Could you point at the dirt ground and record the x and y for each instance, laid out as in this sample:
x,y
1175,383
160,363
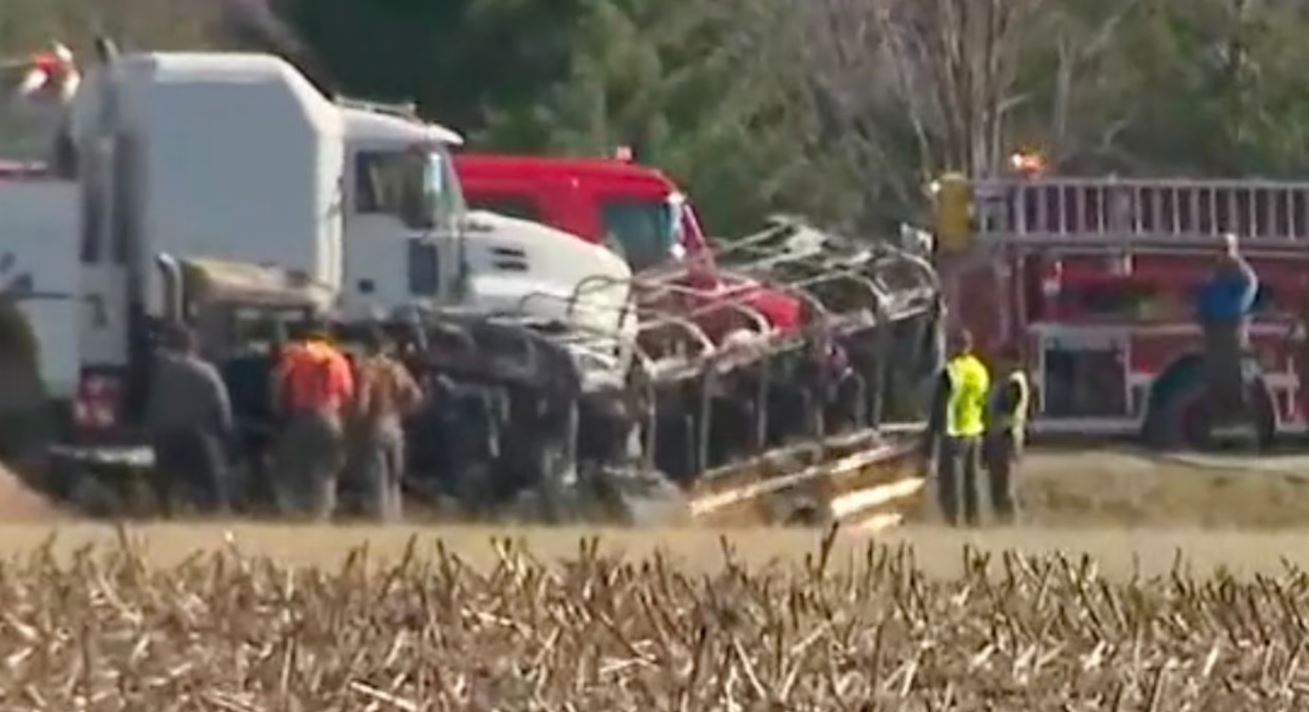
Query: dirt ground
x,y
1118,553
1129,510
20,504
1125,488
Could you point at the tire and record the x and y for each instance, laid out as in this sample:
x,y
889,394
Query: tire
x,y
1183,418
1180,419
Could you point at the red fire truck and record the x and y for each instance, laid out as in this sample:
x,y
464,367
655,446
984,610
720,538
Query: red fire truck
x,y
634,210
1097,280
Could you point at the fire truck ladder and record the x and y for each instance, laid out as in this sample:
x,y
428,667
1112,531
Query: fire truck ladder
x,y
1170,211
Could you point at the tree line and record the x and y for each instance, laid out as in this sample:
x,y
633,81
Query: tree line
x,y
840,109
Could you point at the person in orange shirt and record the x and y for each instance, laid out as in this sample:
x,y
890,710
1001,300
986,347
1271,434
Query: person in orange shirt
x,y
312,386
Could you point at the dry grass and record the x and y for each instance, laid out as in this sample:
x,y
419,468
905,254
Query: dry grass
x,y
1104,487
1182,614
849,624
1120,553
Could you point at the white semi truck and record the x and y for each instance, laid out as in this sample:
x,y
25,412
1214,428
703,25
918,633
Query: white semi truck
x,y
215,187
235,168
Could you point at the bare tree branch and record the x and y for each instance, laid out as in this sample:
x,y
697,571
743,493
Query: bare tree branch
x,y
948,66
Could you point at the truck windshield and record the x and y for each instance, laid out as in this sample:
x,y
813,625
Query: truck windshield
x,y
643,232
442,182
396,183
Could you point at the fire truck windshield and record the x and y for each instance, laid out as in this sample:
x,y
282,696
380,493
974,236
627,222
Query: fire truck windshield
x,y
645,233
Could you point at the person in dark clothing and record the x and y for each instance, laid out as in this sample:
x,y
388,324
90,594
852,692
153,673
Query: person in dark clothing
x,y
1224,311
189,418
1006,432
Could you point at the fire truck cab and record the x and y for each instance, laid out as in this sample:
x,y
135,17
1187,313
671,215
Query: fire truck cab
x,y
633,210
1097,280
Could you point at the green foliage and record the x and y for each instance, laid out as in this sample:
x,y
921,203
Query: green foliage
x,y
832,108
696,89
1204,87
458,59
29,25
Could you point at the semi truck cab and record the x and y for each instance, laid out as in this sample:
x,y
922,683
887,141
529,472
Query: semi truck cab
x,y
401,198
413,243
237,158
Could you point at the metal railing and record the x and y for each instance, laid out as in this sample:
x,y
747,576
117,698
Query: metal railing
x,y
1164,209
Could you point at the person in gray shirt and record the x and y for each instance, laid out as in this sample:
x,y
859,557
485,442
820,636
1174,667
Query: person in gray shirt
x,y
189,418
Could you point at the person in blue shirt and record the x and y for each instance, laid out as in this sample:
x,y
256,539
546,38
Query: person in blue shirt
x,y
1226,305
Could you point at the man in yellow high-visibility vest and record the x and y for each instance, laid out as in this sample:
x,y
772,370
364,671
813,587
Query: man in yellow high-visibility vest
x,y
957,425
1006,431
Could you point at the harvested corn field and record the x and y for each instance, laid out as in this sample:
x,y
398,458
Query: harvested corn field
x,y
850,624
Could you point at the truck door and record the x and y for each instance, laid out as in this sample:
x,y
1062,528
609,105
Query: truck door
x,y
391,257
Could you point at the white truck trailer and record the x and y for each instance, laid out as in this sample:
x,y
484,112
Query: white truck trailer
x,y
207,185
237,158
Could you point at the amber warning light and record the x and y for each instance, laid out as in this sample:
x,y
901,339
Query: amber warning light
x,y
1027,162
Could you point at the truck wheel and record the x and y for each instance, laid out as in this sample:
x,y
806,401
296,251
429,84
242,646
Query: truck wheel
x,y
1183,419
1180,419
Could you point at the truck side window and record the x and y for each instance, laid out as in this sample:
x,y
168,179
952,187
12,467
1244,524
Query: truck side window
x,y
93,208
92,212
126,160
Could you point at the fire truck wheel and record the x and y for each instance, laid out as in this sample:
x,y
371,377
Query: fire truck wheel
x,y
1180,419
1183,419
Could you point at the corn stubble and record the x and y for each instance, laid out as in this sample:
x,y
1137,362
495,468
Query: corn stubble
x,y
227,631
